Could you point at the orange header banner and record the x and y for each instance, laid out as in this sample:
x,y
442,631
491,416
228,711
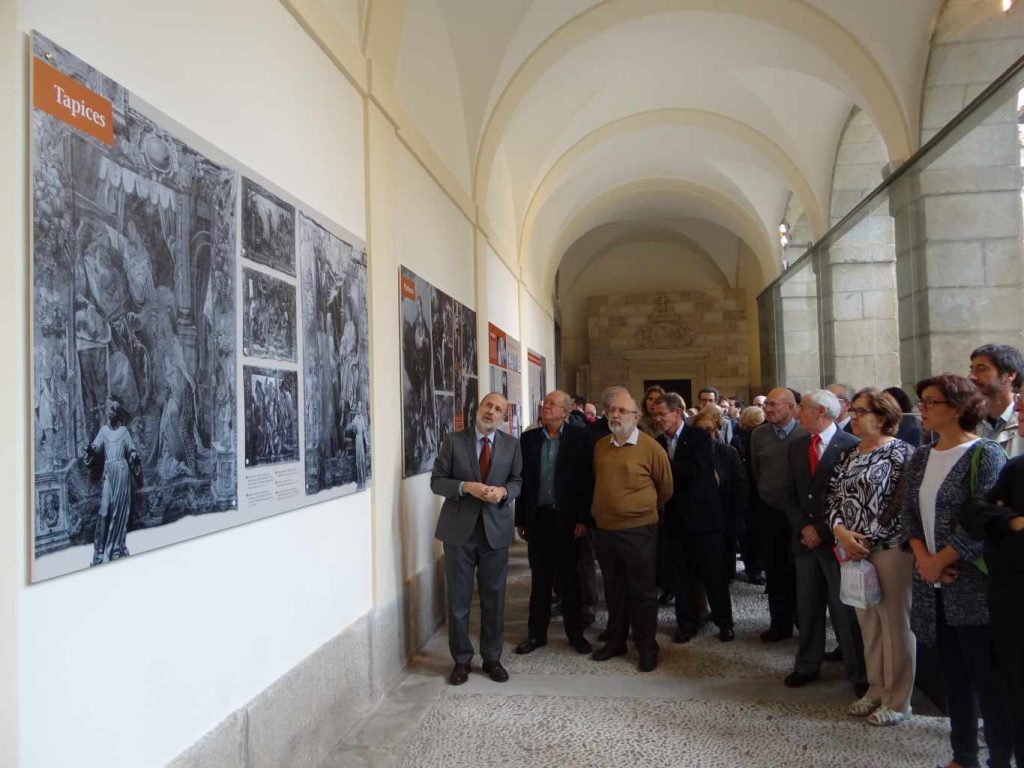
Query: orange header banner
x,y
68,100
408,288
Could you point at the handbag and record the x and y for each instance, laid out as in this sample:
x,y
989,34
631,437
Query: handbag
x,y
859,585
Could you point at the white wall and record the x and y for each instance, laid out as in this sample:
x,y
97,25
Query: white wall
x,y
434,240
502,296
128,664
12,387
538,335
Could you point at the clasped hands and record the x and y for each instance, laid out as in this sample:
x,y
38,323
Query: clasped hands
x,y
492,494
854,544
933,570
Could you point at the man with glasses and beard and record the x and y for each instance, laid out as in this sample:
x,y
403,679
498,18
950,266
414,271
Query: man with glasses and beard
x,y
633,479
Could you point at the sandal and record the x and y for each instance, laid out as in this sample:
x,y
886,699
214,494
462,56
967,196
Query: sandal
x,y
863,707
886,716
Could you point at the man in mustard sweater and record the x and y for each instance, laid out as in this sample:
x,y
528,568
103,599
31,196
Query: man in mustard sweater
x,y
632,479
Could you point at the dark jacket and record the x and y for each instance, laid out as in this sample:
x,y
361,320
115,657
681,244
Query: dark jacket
x,y
733,487
574,477
695,506
741,442
983,519
909,430
963,600
807,493
576,419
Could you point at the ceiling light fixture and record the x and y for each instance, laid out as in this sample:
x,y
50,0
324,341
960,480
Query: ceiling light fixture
x,y
1007,5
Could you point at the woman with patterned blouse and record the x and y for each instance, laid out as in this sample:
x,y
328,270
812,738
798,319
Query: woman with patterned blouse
x,y
863,507
950,608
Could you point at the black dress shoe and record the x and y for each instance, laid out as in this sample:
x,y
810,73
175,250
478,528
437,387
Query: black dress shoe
x,y
529,645
460,674
495,671
797,679
773,635
683,636
648,664
726,635
834,655
581,645
606,652
665,598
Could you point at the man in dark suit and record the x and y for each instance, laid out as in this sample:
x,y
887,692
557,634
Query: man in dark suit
x,y
477,471
811,460
553,514
693,521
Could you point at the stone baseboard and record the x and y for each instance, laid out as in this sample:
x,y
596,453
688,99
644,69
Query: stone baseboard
x,y
305,713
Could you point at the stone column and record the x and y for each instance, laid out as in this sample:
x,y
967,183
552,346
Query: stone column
x,y
959,226
798,357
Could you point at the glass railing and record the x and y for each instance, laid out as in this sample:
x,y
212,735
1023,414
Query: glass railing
x,y
924,269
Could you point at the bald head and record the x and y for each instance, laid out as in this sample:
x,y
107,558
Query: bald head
x,y
554,408
780,407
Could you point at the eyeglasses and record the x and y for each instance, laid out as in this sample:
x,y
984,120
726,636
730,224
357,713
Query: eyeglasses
x,y
927,402
861,411
613,410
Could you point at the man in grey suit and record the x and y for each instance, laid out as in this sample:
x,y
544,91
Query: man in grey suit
x,y
811,459
477,471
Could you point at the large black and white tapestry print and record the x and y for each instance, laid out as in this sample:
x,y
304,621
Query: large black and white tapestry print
x,y
268,329
439,370
335,361
133,331
271,416
268,228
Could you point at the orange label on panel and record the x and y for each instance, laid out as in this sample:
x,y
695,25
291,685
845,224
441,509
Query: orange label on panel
x,y
408,288
67,99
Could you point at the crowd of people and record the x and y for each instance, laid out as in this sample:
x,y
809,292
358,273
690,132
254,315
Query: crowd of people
x,y
804,489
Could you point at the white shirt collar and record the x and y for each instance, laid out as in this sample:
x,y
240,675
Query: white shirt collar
x,y
631,440
480,436
842,424
827,434
1008,413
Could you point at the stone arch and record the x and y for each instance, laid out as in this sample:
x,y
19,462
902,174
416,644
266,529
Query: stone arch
x,y
687,117
795,16
738,217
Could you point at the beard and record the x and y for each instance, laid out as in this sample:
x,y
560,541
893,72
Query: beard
x,y
622,430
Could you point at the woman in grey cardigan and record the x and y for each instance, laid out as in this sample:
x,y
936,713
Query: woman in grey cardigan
x,y
950,609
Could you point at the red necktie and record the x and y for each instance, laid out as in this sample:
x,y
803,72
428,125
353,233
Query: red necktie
x,y
485,459
812,456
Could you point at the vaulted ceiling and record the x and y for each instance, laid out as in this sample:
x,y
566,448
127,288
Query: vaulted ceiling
x,y
560,117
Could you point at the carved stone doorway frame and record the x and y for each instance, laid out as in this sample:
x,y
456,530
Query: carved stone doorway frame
x,y
690,363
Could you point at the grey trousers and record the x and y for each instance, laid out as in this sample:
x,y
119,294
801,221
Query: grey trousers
x,y
817,585
490,567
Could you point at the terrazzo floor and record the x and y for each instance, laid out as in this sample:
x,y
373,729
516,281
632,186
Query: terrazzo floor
x,y
708,704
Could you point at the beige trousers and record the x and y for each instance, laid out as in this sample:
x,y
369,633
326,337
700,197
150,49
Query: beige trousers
x,y
890,650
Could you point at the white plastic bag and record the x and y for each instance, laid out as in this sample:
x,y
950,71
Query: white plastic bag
x,y
859,585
